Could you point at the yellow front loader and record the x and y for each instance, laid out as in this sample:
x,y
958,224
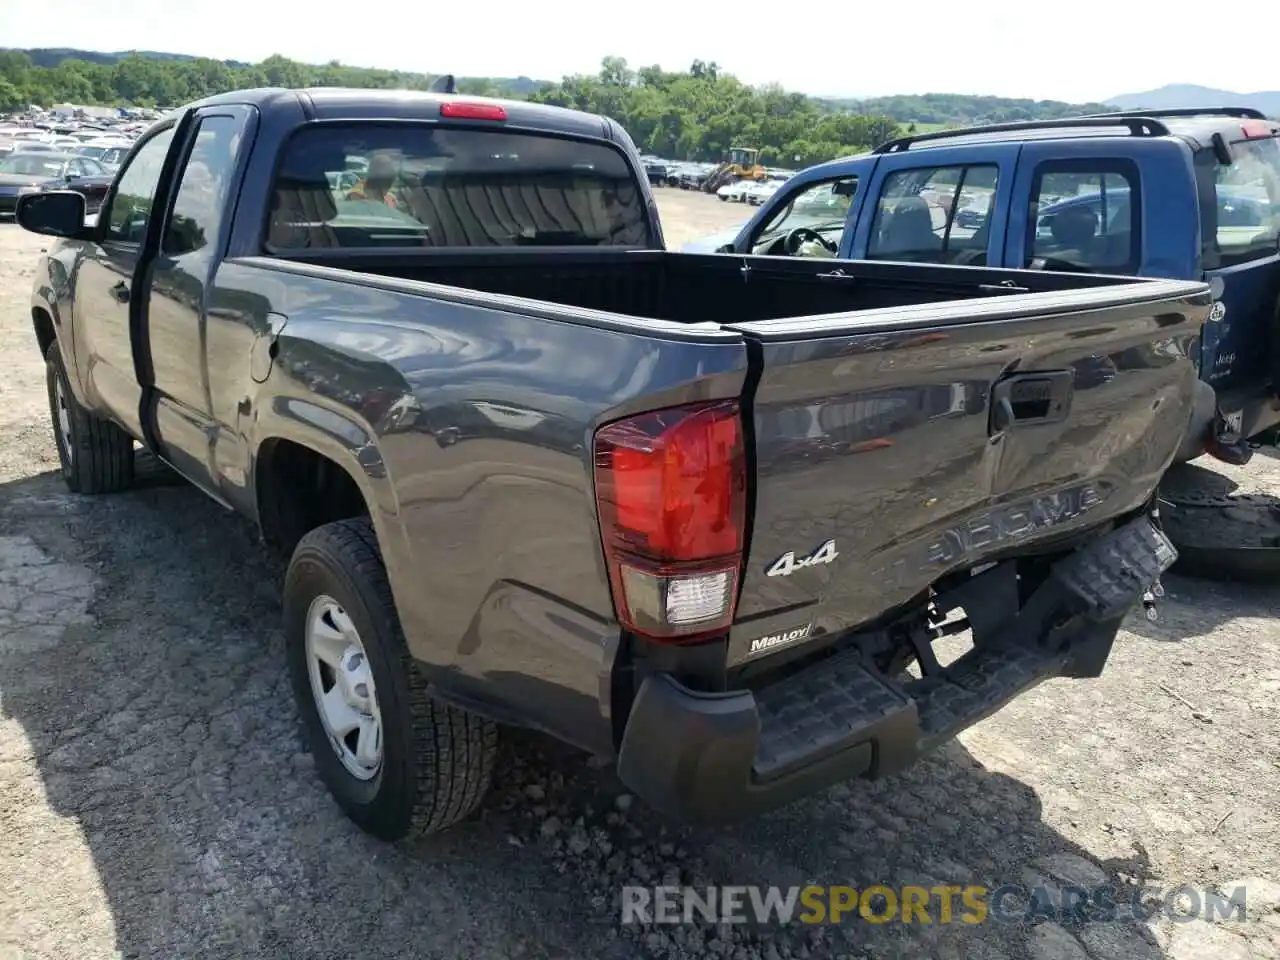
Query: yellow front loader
x,y
742,164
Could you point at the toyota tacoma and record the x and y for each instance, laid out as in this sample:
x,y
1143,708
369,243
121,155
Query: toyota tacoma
x,y
704,516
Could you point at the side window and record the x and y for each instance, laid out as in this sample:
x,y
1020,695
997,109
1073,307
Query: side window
x,y
935,215
131,207
810,224
1086,218
1248,202
202,189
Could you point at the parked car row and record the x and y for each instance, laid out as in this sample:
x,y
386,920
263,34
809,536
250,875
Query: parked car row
x,y
41,152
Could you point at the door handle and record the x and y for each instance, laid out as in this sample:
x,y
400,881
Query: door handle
x,y
1031,399
120,292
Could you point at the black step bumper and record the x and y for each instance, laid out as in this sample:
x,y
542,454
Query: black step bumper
x,y
716,757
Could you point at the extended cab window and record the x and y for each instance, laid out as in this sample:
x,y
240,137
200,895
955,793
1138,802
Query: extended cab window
x,y
370,185
811,223
1086,218
934,215
1248,202
202,191
136,190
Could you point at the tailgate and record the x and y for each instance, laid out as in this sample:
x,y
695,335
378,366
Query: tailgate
x,y
893,446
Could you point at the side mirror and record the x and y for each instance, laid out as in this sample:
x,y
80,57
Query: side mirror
x,y
58,213
725,248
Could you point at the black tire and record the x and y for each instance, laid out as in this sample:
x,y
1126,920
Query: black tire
x,y
437,760
100,457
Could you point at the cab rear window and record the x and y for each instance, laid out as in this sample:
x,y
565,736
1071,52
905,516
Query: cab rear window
x,y
362,185
1248,202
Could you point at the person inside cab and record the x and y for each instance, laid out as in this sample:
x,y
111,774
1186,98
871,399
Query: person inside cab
x,y
379,182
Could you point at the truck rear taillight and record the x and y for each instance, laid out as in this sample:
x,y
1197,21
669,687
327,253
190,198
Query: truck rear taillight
x,y
671,494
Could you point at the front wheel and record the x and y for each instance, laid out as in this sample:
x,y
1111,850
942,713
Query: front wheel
x,y
96,456
397,761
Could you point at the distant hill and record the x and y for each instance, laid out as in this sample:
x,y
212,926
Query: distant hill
x,y
52,56
962,109
1192,95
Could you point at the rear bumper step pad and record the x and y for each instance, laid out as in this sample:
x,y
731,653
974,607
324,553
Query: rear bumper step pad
x,y
717,757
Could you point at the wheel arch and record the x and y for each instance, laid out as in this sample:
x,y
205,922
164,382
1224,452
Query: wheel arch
x,y
312,466
46,332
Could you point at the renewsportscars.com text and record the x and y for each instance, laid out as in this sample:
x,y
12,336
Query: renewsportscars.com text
x,y
943,904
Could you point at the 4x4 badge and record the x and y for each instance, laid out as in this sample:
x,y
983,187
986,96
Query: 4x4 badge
x,y
788,563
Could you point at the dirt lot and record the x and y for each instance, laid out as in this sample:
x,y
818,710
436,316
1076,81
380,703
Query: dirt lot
x,y
156,799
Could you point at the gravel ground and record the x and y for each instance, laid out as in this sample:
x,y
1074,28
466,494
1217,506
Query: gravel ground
x,y
156,799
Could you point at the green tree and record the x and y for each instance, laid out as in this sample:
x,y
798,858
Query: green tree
x,y
10,95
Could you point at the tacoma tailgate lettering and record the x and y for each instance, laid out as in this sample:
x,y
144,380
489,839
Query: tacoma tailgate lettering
x,y
1013,523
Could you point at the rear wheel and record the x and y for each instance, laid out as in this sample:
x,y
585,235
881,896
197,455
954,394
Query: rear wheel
x,y
96,456
397,761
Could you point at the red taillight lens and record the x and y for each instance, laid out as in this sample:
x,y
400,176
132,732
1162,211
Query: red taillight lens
x,y
472,111
1257,129
671,493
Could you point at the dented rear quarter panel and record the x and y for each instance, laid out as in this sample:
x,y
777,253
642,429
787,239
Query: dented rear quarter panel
x,y
469,430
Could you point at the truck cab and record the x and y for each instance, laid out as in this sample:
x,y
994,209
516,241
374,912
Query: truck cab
x,y
1179,194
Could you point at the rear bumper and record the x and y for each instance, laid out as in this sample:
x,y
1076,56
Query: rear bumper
x,y
716,757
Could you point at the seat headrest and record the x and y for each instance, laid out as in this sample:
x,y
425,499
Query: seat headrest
x,y
911,215
911,206
1074,226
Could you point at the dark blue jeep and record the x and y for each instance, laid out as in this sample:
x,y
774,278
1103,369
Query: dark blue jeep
x,y
1188,194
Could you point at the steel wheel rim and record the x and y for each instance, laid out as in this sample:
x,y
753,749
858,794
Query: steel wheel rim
x,y
62,415
342,688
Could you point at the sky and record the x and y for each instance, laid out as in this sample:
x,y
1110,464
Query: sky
x,y
1079,51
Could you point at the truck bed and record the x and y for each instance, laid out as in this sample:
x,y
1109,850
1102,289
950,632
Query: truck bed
x,y
701,288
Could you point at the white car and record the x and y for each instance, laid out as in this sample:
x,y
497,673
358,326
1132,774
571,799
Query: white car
x,y
760,192
735,191
34,146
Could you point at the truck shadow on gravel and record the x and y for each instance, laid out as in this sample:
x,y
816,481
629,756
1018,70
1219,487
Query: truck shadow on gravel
x,y
144,663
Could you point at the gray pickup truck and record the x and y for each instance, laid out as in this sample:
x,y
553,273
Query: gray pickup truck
x,y
697,514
